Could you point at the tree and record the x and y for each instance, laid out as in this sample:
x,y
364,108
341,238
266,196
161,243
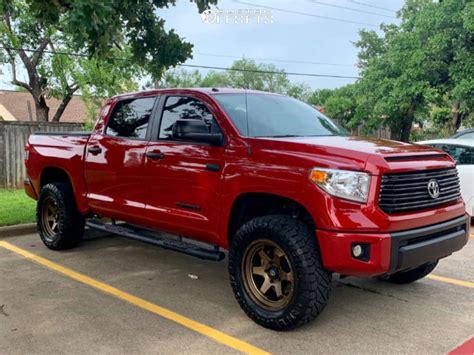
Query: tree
x,y
180,78
427,61
319,97
342,105
95,31
445,32
244,73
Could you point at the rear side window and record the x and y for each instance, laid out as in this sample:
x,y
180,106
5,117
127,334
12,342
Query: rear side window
x,y
182,108
130,118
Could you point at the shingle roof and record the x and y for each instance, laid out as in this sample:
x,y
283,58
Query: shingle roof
x,y
17,104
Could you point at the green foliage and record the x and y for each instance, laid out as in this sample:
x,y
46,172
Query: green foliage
x,y
441,116
244,73
319,97
100,80
94,27
181,78
424,64
115,41
16,207
342,104
249,78
216,79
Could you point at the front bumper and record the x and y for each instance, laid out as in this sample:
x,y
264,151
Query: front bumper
x,y
392,252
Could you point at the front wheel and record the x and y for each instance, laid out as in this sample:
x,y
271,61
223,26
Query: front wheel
x,y
405,277
276,272
60,225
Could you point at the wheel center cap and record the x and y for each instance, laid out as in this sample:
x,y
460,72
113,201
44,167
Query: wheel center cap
x,y
273,272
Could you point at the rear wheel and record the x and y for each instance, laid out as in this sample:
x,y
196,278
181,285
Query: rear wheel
x,y
276,272
60,225
405,277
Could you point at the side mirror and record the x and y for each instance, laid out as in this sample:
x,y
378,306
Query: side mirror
x,y
196,131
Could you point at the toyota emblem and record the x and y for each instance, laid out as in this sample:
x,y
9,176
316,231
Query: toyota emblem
x,y
433,188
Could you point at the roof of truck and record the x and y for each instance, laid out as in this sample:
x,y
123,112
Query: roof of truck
x,y
209,91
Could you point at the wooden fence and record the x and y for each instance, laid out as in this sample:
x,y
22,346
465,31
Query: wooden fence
x,y
13,137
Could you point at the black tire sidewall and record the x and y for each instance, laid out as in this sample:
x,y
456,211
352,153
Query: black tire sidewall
x,y
71,223
303,263
405,277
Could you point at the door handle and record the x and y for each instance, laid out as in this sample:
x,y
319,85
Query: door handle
x,y
213,167
94,150
154,154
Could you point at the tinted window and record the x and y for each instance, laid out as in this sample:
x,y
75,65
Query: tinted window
x,y
130,118
275,115
182,108
462,155
467,136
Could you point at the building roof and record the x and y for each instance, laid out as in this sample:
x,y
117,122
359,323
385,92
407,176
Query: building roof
x,y
14,107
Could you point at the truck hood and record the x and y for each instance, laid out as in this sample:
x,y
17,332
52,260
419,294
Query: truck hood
x,y
356,153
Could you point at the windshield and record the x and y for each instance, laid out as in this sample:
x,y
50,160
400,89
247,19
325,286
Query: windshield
x,y
266,115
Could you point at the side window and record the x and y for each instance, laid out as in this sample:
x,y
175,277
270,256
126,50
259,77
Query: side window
x,y
469,135
462,155
130,118
182,108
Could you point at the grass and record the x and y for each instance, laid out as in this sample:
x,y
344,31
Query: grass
x,y
16,207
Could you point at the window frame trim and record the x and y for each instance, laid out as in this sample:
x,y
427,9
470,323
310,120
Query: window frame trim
x,y
150,122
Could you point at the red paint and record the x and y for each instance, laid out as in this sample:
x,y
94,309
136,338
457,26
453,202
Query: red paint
x,y
122,183
466,348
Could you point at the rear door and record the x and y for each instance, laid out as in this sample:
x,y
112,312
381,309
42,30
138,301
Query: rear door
x,y
114,161
183,178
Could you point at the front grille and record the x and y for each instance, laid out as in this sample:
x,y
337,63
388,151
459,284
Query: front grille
x,y
403,192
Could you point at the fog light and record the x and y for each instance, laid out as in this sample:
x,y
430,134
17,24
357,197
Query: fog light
x,y
361,251
357,250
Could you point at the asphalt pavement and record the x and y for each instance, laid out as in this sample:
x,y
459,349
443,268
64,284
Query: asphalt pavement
x,y
112,295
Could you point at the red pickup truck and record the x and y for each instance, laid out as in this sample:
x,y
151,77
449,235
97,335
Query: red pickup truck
x,y
286,191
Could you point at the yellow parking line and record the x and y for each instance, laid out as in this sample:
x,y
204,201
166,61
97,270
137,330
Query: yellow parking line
x,y
451,281
139,302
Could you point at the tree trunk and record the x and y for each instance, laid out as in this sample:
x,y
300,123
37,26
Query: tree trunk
x,y
42,110
405,130
457,116
401,130
66,99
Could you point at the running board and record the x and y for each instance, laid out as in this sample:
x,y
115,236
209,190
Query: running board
x,y
143,235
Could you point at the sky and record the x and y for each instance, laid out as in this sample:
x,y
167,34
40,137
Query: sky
x,y
298,34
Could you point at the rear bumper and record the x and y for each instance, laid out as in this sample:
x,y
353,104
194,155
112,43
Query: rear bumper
x,y
388,253
29,189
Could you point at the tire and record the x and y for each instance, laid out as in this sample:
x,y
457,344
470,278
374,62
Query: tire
x,y
59,223
405,277
304,283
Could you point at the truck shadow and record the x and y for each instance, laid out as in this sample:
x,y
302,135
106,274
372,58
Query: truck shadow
x,y
358,308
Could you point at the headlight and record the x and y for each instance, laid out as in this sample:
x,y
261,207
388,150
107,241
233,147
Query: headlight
x,y
350,185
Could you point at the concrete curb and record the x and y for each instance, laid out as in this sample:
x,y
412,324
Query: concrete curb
x,y
13,231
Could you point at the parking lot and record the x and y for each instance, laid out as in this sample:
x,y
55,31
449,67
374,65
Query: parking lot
x,y
112,295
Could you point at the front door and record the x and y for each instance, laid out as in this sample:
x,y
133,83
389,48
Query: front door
x,y
184,178
114,162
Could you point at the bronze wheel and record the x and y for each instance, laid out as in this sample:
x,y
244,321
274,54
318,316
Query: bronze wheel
x,y
268,275
276,272
50,218
60,225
